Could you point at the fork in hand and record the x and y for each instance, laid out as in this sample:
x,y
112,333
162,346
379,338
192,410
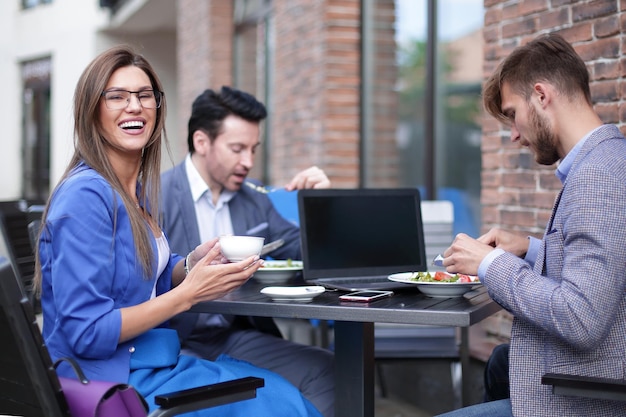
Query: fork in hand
x,y
261,189
438,261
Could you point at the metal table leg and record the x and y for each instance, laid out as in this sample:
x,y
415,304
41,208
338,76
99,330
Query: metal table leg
x,y
465,364
354,369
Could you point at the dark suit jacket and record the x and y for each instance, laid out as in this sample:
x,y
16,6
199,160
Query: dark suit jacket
x,y
251,212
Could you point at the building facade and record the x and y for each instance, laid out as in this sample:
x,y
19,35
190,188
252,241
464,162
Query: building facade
x,y
345,82
45,45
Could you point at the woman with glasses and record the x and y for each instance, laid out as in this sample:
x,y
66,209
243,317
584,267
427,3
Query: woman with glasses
x,y
108,280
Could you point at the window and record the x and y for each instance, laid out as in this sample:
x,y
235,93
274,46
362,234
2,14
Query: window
x,y
253,53
36,130
28,4
420,115
420,80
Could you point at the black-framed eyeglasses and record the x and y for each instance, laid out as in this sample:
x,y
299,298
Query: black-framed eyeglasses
x,y
119,99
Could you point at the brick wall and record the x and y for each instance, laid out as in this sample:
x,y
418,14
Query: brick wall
x,y
316,78
517,193
316,89
382,167
204,55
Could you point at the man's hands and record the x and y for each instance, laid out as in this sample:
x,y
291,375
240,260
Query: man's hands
x,y
312,177
510,242
466,253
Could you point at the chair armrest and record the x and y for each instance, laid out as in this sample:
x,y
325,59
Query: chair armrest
x,y
198,398
586,386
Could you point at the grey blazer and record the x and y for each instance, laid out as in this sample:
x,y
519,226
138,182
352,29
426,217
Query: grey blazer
x,y
570,309
251,213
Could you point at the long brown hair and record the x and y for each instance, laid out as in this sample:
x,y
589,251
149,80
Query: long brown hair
x,y
90,146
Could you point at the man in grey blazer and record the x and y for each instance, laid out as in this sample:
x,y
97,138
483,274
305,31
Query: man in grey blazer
x,y
567,290
205,196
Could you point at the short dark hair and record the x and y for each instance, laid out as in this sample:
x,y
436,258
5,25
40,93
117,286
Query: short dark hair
x,y
210,108
548,58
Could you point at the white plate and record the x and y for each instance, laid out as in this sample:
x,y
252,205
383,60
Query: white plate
x,y
300,294
277,272
436,289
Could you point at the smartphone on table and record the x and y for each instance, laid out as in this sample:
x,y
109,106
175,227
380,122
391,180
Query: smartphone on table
x,y
365,296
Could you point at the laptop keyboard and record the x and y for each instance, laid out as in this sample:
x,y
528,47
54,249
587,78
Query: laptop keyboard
x,y
360,283
358,280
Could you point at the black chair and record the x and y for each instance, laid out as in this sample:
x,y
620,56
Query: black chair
x,y
585,386
29,385
14,220
35,213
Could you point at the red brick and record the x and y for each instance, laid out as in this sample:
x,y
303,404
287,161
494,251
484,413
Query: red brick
x,y
608,112
553,18
601,48
509,197
510,11
607,27
493,16
519,180
593,9
532,6
514,219
606,70
525,26
490,160
604,91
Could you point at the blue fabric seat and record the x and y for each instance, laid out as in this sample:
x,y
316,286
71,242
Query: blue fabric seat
x,y
286,202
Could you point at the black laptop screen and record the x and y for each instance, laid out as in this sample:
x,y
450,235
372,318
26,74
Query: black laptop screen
x,y
361,232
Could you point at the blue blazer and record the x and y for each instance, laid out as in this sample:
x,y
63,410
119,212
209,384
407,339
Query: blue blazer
x,y
570,308
89,272
251,213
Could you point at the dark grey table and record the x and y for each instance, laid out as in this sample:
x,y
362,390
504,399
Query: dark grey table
x,y
354,329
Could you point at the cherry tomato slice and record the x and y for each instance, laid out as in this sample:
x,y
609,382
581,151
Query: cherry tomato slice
x,y
441,276
464,278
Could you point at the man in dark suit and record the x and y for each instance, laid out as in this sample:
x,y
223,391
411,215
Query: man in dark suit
x,y
208,195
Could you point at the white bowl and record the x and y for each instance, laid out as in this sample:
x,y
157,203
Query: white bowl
x,y
437,288
447,289
238,248
277,272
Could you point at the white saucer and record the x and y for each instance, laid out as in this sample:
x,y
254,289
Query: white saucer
x,y
300,294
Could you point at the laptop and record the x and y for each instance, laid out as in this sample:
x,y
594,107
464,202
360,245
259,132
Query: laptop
x,y
353,239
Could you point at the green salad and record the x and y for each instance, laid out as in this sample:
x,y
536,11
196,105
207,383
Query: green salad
x,y
289,263
440,276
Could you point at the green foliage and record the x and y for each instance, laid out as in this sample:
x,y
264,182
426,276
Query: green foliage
x,y
460,103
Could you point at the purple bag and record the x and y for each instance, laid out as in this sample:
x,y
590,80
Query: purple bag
x,y
87,398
